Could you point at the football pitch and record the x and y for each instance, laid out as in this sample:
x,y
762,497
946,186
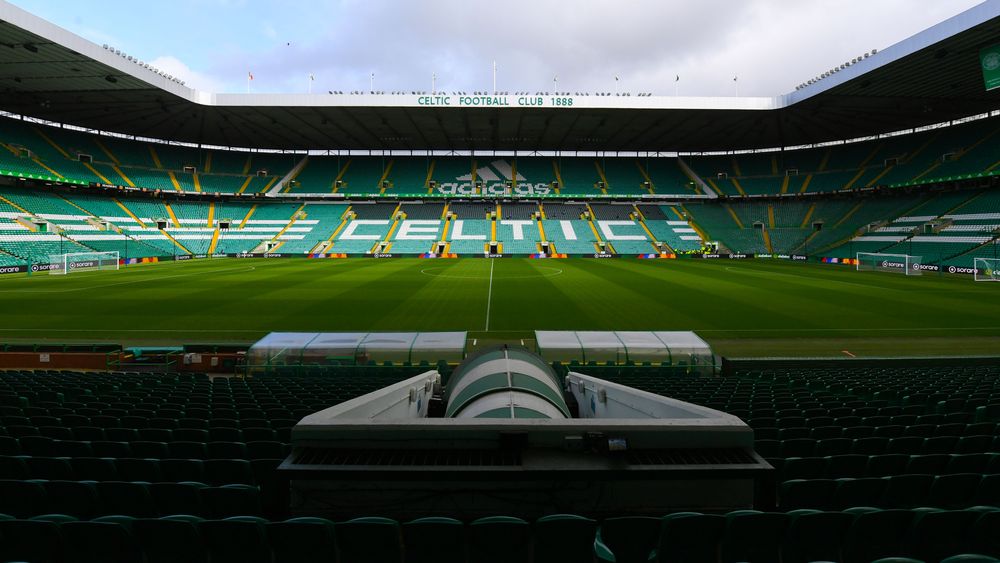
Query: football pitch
x,y
743,308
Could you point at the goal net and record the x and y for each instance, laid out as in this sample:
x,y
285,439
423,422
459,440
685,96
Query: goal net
x,y
61,264
897,263
987,269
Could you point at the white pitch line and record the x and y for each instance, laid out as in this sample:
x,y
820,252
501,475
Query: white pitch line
x,y
489,295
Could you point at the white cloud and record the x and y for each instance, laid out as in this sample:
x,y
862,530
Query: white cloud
x,y
173,65
772,45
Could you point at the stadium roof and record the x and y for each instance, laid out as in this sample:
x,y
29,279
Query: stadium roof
x,y
932,77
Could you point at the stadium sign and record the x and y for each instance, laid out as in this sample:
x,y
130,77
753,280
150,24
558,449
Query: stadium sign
x,y
989,60
498,178
13,269
481,101
604,255
45,267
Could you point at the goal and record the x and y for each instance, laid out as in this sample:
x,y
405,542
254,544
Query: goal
x,y
61,264
897,263
987,269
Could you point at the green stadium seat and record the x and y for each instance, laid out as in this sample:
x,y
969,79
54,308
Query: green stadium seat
x,y
564,537
435,540
94,469
815,536
228,472
974,444
178,498
804,468
37,445
129,499
690,537
122,434
906,491
100,541
870,446
754,536
985,534
223,434
969,463
807,493
155,435
232,500
303,540
111,449
988,491
12,467
55,518
847,465
369,540
627,539
875,534
23,499
54,432
187,450
171,539
887,464
857,492
177,470
227,450
239,539
799,447
132,469
936,534
929,464
75,498
9,446
834,446
970,558
31,540
500,539
953,491
152,450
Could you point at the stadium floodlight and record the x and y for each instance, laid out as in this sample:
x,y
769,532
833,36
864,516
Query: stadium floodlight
x,y
986,269
894,263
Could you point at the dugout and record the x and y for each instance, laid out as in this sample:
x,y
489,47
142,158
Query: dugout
x,y
682,349
353,348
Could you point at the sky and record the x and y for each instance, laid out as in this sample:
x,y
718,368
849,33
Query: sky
x,y
769,45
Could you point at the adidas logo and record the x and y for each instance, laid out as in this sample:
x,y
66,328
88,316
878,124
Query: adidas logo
x,y
494,178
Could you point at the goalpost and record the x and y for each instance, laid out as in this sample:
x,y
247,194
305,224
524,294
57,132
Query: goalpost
x,y
897,263
61,264
987,269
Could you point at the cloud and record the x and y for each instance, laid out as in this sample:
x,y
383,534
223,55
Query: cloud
x,y
772,45
173,65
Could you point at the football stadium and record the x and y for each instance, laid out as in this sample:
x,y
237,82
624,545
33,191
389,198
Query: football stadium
x,y
539,326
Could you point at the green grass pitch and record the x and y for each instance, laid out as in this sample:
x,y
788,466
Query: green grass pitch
x,y
744,308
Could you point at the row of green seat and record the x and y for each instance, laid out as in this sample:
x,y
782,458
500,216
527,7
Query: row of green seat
x,y
883,465
855,536
89,499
